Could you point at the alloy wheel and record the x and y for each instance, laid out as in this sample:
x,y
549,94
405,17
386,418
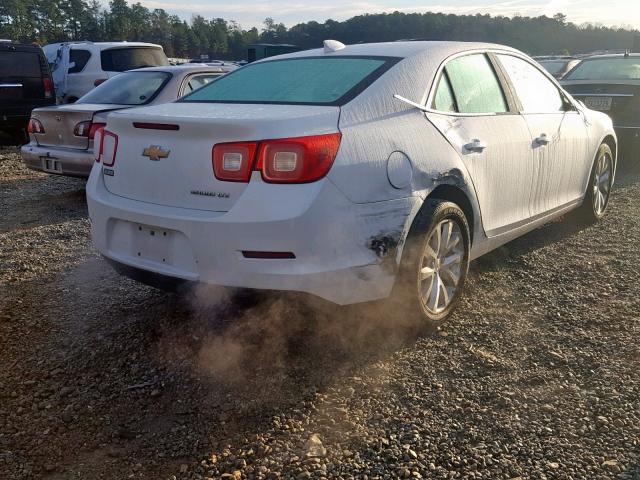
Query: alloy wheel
x,y
441,266
601,184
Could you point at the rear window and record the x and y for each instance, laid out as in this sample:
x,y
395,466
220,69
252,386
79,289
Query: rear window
x,y
121,59
620,68
129,88
305,81
20,64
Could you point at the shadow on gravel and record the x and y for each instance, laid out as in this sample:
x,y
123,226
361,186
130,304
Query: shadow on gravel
x,y
559,229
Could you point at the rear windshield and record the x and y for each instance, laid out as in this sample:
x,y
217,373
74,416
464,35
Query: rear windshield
x,y
620,68
20,64
121,59
305,81
129,88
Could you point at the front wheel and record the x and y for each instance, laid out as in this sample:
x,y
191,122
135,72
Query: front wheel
x,y
596,199
434,263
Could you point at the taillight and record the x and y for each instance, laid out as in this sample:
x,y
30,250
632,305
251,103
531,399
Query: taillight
x,y
297,160
108,148
48,87
233,162
286,160
87,129
35,126
99,81
97,144
94,128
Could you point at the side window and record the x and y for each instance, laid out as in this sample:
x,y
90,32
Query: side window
x,y
536,92
475,86
444,100
80,58
198,81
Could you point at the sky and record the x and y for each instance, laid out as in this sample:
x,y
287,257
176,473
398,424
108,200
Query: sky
x,y
251,13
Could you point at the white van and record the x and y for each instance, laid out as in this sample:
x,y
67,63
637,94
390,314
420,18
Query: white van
x,y
77,67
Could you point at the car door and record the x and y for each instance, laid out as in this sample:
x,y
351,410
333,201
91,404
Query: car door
x,y
559,136
472,109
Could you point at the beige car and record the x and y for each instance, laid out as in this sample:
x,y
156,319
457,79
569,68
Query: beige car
x,y
61,137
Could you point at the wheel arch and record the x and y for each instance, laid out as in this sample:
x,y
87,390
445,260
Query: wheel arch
x,y
612,142
457,195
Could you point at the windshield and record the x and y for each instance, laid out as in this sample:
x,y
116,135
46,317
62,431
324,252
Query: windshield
x,y
129,88
121,59
621,68
306,81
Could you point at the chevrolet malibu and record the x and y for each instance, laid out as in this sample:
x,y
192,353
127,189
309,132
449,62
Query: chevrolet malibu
x,y
353,173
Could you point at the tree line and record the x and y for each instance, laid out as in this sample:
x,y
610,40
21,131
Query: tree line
x,y
47,21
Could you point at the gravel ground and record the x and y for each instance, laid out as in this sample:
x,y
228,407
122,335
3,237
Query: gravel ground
x,y
535,376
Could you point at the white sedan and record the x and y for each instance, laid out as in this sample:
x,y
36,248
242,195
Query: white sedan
x,y
353,173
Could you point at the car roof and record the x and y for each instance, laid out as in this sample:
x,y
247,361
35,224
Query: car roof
x,y
16,46
612,55
403,49
186,68
103,45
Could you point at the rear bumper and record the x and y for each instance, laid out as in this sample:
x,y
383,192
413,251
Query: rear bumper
x,y
73,162
337,244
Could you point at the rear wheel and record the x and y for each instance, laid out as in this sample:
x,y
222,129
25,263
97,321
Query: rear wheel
x,y
596,200
434,264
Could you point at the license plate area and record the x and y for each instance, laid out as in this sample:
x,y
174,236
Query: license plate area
x,y
602,104
154,244
50,164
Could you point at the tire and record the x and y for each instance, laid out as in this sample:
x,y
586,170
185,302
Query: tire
x,y
596,199
423,264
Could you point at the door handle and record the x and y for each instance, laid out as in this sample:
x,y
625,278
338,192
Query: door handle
x,y
542,139
476,146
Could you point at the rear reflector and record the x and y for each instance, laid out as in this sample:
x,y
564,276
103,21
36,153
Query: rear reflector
x,y
268,255
156,126
35,126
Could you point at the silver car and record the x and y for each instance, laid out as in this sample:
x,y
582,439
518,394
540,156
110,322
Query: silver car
x,y
61,137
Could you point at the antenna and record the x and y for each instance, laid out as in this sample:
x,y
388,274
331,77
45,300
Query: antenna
x,y
333,46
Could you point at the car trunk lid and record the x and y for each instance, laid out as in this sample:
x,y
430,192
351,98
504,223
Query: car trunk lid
x,y
620,100
184,177
59,123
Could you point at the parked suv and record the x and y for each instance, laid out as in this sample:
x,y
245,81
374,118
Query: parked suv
x,y
25,83
77,67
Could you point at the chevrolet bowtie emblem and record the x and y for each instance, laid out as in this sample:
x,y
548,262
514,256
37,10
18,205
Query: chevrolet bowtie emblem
x,y
155,152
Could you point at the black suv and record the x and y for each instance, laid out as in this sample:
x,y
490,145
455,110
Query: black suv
x,y
25,83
